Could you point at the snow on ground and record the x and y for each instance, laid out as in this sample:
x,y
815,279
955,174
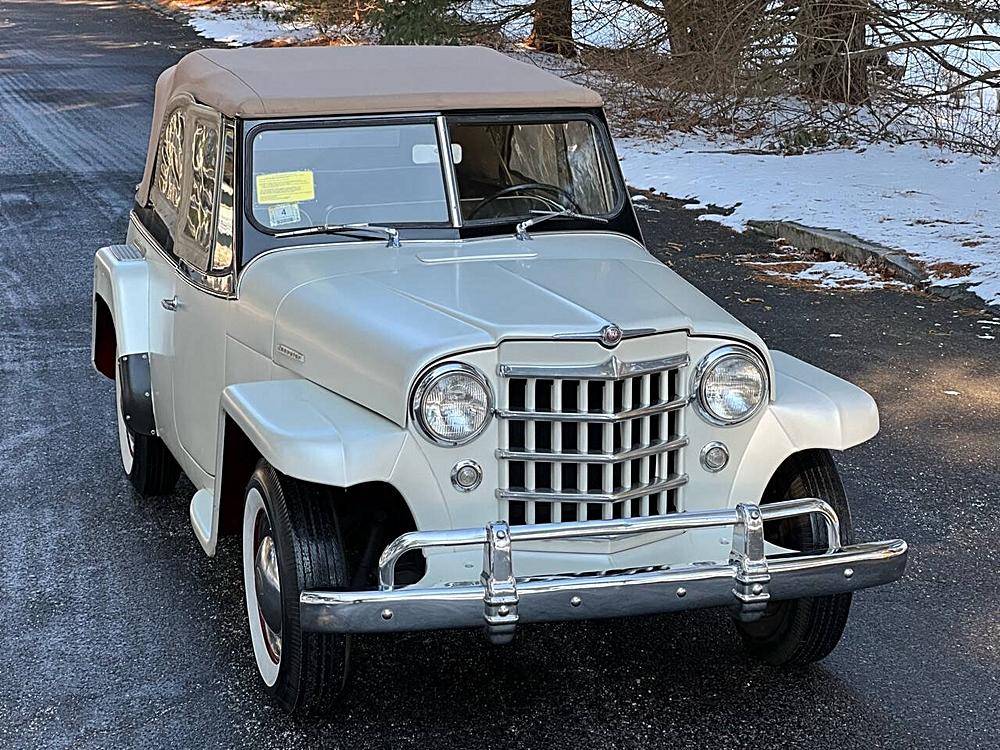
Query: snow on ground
x,y
830,274
939,206
242,25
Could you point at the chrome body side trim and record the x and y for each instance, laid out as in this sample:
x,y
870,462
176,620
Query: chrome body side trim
x,y
221,285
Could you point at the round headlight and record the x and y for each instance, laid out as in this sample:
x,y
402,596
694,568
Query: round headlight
x,y
731,385
452,404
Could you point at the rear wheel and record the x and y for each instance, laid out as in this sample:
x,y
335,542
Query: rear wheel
x,y
145,458
801,631
291,543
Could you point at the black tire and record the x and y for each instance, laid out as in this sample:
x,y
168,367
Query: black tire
x,y
147,462
802,631
311,668
154,469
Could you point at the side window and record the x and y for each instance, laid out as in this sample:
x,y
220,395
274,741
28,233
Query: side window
x,y
169,175
195,244
222,257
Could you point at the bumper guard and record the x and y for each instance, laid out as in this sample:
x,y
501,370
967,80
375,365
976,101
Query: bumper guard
x,y
746,583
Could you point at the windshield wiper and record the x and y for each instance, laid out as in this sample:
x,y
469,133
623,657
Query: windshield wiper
x,y
521,231
391,234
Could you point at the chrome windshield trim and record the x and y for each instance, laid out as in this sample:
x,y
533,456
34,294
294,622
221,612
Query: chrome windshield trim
x,y
448,167
611,368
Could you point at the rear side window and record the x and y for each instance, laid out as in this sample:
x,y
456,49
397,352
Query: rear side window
x,y
196,220
204,170
170,160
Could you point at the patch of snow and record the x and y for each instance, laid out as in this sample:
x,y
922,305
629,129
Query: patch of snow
x,y
939,206
830,274
244,25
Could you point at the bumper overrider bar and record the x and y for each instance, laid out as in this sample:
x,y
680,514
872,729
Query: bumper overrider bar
x,y
746,583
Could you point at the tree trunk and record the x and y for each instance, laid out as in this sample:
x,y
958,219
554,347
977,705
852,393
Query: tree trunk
x,y
553,27
830,32
709,39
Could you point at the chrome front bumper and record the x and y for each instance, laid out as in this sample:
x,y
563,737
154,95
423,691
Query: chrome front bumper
x,y
746,583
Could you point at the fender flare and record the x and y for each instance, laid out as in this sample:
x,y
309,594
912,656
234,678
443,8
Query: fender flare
x,y
119,347
121,281
812,409
314,435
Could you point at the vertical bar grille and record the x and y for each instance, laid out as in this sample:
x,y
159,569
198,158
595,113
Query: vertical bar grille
x,y
591,443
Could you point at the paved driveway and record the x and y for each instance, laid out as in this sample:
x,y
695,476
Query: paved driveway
x,y
115,631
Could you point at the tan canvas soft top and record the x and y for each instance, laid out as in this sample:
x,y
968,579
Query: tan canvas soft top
x,y
315,81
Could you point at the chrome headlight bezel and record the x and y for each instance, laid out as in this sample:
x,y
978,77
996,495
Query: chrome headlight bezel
x,y
709,363
428,380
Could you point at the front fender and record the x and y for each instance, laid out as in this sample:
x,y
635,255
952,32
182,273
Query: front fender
x,y
309,433
812,409
312,434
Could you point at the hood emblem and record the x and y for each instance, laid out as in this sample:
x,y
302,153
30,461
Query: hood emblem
x,y
290,353
611,336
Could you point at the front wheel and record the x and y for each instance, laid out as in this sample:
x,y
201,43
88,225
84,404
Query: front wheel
x,y
291,543
801,631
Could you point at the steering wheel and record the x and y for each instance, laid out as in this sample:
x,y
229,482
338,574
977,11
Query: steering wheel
x,y
542,187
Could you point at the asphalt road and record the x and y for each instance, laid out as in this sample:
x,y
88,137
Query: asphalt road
x,y
116,631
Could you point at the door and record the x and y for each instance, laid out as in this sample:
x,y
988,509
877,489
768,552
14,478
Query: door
x,y
203,288
166,195
188,295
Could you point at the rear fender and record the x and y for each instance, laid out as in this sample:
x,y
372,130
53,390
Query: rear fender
x,y
121,284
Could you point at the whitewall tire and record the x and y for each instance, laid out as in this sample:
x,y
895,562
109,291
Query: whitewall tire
x,y
265,640
291,543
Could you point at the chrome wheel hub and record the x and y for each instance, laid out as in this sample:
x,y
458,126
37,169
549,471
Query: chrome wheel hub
x,y
267,587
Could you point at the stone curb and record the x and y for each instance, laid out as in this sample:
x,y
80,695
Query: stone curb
x,y
842,245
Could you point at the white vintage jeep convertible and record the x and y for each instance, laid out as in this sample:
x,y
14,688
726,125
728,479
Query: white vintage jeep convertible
x,y
390,311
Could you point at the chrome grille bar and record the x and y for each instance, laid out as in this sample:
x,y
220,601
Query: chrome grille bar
x,y
613,368
550,416
596,497
591,443
658,446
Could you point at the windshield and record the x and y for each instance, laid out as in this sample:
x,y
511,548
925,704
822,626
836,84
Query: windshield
x,y
374,174
391,174
509,170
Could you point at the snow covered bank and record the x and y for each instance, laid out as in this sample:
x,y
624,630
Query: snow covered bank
x,y
244,24
941,207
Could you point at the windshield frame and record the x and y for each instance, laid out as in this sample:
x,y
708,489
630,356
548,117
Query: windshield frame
x,y
327,123
523,117
256,239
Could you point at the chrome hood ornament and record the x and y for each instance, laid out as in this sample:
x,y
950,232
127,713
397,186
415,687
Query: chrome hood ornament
x,y
611,336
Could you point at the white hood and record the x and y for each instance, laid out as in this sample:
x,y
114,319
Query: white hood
x,y
367,320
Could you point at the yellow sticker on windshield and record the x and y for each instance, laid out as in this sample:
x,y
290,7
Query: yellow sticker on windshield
x,y
285,187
